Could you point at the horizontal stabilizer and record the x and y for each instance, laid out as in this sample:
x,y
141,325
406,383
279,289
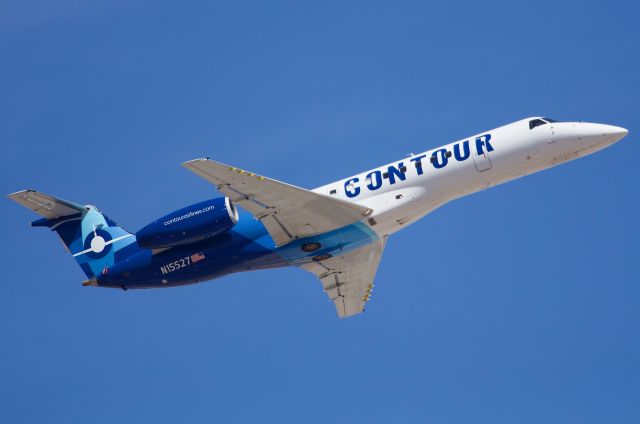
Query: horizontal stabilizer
x,y
45,205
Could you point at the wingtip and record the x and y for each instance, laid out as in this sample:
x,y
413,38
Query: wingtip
x,y
189,162
29,190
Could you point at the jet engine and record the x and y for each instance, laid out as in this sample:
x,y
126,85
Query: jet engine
x,y
189,225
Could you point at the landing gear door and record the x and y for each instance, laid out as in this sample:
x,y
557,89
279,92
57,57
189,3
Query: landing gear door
x,y
481,154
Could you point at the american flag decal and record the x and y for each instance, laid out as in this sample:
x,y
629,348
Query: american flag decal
x,y
197,257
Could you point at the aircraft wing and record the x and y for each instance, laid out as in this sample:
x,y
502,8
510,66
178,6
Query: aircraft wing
x,y
46,205
288,212
348,279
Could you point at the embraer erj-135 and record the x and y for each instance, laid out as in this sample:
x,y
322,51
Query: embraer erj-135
x,y
337,231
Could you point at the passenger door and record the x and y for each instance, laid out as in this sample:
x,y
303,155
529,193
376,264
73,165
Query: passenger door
x,y
482,161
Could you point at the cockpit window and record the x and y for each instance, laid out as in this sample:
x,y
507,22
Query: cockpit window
x,y
549,120
536,123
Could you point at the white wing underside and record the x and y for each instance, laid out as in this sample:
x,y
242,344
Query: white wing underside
x,y
288,212
348,279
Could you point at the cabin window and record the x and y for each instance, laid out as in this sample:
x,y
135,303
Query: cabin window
x,y
448,154
332,192
403,169
398,196
385,175
536,123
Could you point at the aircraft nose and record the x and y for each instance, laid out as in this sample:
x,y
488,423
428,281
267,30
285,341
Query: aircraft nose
x,y
616,133
601,133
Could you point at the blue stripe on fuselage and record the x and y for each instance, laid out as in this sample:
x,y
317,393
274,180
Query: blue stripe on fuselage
x,y
336,242
247,246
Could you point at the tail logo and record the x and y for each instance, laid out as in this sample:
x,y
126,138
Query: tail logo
x,y
97,245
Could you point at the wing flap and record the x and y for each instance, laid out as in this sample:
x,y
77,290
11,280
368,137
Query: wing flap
x,y
348,279
288,212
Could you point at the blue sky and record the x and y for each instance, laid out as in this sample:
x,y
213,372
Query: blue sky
x,y
518,304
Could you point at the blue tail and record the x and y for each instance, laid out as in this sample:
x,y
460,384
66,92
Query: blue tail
x,y
94,240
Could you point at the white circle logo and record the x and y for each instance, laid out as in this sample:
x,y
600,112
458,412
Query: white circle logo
x,y
98,244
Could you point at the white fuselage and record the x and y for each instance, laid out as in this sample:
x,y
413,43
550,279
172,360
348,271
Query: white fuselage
x,y
402,192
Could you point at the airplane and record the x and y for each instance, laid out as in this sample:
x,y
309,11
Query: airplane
x,y
337,232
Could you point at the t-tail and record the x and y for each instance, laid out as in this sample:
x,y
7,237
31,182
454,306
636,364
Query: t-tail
x,y
92,238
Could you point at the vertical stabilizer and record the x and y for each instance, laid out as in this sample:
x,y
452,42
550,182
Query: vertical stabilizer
x,y
92,238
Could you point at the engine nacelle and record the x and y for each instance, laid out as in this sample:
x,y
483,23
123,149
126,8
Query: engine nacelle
x,y
188,225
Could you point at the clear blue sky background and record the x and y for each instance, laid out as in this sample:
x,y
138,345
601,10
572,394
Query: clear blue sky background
x,y
520,304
